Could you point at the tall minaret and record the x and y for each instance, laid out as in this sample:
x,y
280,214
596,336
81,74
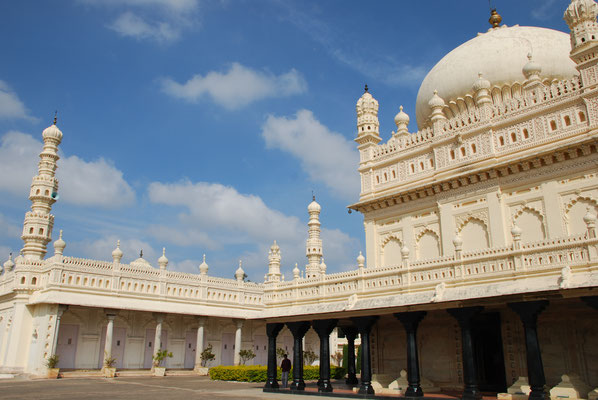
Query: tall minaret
x,y
37,228
314,243
274,274
368,136
581,18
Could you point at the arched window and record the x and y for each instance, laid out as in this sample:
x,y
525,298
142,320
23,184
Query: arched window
x,y
513,137
473,148
567,120
525,133
582,117
463,151
452,154
501,141
553,125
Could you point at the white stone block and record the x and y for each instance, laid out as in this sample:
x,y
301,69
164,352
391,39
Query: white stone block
x,y
571,387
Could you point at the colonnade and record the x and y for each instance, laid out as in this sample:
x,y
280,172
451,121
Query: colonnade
x,y
528,312
159,319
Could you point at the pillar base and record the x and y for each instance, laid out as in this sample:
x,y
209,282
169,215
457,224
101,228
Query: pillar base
x,y
271,384
351,379
366,388
297,386
416,392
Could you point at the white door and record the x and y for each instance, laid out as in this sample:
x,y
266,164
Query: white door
x,y
227,355
190,348
260,344
119,336
150,335
66,347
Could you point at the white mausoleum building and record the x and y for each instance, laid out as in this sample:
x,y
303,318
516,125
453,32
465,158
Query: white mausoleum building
x,y
481,267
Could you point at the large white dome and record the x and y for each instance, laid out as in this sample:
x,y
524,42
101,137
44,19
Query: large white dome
x,y
499,55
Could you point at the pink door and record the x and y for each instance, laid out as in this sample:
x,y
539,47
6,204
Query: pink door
x,y
190,348
66,347
260,344
119,335
227,354
150,334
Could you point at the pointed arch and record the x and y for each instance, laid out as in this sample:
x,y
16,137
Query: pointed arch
x,y
574,213
531,222
474,233
427,244
390,250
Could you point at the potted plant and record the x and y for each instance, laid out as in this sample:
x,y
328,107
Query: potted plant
x,y
206,356
109,366
52,364
158,358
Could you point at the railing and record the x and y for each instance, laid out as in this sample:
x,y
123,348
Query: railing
x,y
504,263
103,277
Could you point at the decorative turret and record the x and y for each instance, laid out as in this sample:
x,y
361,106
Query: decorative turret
x,y
314,243
481,87
274,257
239,273
296,272
59,245
581,18
322,267
203,267
9,264
37,228
401,120
360,260
117,254
163,261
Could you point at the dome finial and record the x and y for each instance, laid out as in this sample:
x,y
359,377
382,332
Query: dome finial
x,y
495,18
141,254
55,116
366,88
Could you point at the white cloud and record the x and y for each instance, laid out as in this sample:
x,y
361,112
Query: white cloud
x,y
95,183
129,24
9,229
222,209
10,104
162,21
325,156
222,216
177,6
545,10
236,87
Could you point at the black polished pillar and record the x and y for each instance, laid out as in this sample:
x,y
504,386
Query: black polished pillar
x,y
350,333
272,331
528,312
592,301
464,316
323,328
410,321
298,329
364,326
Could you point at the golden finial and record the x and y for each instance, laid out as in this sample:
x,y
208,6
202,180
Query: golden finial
x,y
55,116
495,18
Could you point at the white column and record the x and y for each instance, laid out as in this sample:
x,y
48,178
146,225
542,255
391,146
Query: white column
x,y
199,345
59,313
158,336
237,359
109,332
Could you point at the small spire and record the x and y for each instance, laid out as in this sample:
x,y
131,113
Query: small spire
x,y
60,235
55,116
141,254
118,243
495,18
204,258
163,251
313,196
366,87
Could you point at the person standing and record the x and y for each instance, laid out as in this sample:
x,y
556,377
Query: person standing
x,y
285,366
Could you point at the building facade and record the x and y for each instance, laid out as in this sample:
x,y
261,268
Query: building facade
x,y
480,227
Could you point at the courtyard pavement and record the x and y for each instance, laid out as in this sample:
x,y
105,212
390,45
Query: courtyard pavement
x,y
136,388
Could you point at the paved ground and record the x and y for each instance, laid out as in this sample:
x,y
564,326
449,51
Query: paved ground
x,y
136,388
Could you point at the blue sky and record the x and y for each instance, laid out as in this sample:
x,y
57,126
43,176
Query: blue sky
x,y
203,126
